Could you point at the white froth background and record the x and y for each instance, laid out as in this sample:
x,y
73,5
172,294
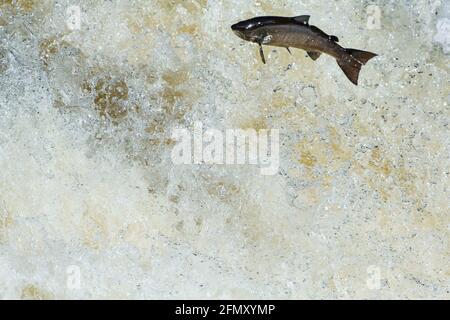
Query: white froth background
x,y
86,178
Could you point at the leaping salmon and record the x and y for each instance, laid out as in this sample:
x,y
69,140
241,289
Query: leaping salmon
x,y
296,32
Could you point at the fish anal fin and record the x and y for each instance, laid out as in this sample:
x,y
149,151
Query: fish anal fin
x,y
302,19
314,55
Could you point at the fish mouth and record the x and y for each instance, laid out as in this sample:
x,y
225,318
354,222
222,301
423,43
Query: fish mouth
x,y
239,27
236,27
239,31
240,35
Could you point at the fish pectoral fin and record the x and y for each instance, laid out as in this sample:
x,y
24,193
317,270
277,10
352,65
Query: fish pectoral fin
x,y
314,55
302,19
289,50
261,53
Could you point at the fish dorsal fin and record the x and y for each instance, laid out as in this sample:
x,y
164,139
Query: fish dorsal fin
x,y
302,19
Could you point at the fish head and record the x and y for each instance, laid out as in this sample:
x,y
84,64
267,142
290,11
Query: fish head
x,y
252,29
247,29
242,30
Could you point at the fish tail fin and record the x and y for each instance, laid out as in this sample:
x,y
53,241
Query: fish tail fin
x,y
352,62
362,56
351,68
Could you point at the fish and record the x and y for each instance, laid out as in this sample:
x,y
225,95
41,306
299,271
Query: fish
x,y
296,32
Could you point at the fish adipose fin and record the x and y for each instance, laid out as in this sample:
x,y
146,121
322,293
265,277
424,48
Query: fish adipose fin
x,y
314,55
334,38
302,19
351,64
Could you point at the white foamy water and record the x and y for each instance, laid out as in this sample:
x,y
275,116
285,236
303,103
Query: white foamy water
x,y
91,205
